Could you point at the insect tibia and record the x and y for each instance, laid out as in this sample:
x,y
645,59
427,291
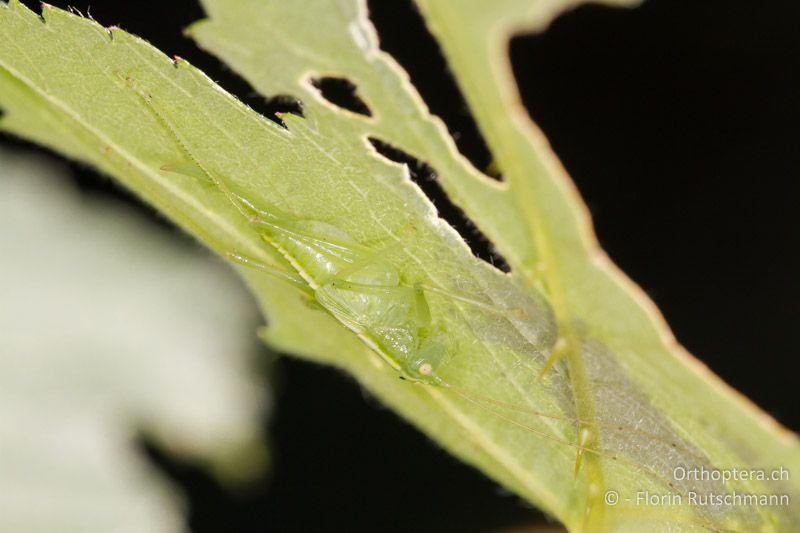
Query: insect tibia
x,y
282,275
354,286
190,167
250,211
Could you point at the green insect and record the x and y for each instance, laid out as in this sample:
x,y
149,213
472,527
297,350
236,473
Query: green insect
x,y
352,282
357,286
362,288
367,294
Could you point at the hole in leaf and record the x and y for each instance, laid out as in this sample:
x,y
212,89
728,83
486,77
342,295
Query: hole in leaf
x,y
273,108
270,107
284,103
343,93
157,24
398,24
425,177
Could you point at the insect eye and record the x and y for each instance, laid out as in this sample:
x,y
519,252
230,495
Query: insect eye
x,y
425,369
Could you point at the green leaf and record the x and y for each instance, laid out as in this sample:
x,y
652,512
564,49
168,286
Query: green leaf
x,y
624,403
110,328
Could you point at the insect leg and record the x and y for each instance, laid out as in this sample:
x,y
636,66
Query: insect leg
x,y
292,279
276,220
339,283
250,211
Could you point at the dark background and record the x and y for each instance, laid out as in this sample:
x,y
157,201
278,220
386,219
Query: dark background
x,y
679,123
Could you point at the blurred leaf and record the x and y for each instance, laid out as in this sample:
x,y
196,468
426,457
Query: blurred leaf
x,y
108,328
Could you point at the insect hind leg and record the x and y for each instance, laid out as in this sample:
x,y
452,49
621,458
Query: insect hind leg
x,y
293,279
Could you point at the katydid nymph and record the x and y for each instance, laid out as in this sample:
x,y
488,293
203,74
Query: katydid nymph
x,y
360,285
